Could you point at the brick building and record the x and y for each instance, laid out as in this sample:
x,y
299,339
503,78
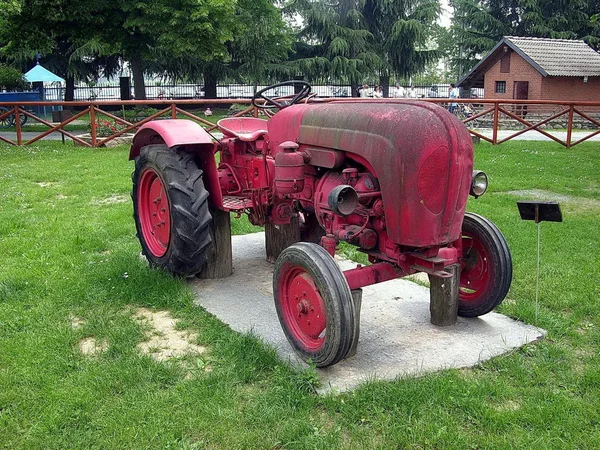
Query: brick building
x,y
538,69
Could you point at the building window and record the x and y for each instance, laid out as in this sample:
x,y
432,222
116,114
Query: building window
x,y
505,64
500,87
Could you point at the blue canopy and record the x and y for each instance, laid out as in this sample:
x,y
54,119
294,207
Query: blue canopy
x,y
38,73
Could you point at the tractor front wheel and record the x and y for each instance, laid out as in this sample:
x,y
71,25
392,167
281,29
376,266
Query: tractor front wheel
x,y
486,267
314,304
170,208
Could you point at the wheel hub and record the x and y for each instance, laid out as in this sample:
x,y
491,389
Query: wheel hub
x,y
475,268
154,214
307,310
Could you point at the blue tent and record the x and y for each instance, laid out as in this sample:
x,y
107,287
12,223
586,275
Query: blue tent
x,y
38,73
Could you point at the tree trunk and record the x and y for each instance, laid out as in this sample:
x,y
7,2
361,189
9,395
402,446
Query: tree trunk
x,y
355,85
384,82
139,88
210,85
297,87
69,88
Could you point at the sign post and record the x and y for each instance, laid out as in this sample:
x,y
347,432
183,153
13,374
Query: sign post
x,y
540,212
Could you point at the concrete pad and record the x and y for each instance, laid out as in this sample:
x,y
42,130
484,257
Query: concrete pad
x,y
396,337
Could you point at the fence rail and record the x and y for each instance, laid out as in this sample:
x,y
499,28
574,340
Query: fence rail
x,y
484,118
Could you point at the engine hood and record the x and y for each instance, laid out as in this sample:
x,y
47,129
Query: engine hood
x,y
421,154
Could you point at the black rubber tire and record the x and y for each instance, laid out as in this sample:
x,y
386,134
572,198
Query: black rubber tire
x,y
482,233
336,296
189,239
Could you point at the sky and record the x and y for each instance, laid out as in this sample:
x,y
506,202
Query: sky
x,y
446,14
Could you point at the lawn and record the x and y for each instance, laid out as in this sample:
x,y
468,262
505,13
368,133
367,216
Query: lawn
x,y
71,271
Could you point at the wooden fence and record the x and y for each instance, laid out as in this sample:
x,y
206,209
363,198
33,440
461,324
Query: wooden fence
x,y
484,118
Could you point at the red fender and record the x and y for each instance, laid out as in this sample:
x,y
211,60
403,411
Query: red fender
x,y
171,132
179,132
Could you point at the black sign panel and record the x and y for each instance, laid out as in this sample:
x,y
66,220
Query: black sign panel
x,y
539,211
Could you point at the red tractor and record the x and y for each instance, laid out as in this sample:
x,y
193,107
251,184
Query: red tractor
x,y
389,176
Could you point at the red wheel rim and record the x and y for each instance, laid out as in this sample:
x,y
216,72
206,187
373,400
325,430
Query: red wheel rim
x,y
302,307
475,268
153,212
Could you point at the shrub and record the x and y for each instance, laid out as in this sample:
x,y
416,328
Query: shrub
x,y
11,79
107,127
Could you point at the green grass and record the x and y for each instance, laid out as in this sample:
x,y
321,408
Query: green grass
x,y
40,127
69,249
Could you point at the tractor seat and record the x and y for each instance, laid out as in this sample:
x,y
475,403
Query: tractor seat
x,y
244,128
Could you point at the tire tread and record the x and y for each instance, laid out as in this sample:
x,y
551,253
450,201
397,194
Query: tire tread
x,y
190,217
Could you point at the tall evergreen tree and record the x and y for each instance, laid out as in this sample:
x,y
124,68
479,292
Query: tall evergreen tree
x,y
402,33
333,40
354,40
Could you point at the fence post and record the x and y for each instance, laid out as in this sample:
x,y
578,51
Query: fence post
x,y
18,125
93,124
173,111
570,125
496,113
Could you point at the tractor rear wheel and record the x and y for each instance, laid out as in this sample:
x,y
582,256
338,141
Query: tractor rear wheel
x,y
170,208
486,267
314,304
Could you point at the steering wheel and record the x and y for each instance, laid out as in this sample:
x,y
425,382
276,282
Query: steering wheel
x,y
285,101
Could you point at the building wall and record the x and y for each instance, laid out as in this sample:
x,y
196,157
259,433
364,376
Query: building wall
x,y
571,89
520,70
540,88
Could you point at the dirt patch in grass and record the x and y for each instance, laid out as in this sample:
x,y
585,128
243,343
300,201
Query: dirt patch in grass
x,y
115,198
163,340
574,203
91,347
77,322
509,405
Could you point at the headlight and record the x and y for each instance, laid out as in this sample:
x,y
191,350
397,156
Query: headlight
x,y
479,183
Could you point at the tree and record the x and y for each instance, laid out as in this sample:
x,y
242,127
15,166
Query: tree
x,y
402,35
55,30
333,40
262,41
475,30
356,39
11,79
480,24
142,31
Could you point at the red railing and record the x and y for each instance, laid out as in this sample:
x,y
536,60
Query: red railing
x,y
533,115
484,118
